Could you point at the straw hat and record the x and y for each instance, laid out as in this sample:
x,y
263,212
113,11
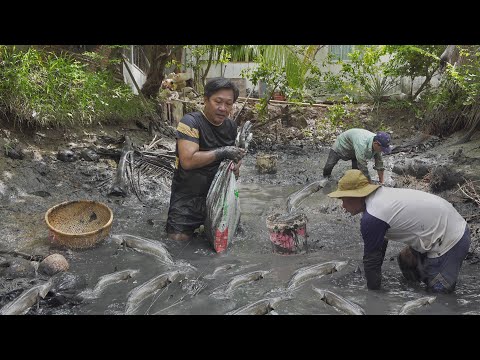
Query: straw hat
x,y
353,184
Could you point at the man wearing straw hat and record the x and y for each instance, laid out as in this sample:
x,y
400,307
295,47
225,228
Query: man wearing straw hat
x,y
436,235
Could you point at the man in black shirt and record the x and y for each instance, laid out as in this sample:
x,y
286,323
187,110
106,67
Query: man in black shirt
x,y
204,139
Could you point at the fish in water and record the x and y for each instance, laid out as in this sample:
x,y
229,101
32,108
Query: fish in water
x,y
26,300
244,278
294,200
339,302
107,280
148,246
227,287
218,270
141,292
410,306
313,271
260,307
40,193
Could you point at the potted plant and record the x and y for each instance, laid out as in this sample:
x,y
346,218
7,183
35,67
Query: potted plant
x,y
278,95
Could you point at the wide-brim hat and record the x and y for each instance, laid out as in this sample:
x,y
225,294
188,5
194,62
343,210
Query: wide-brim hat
x,y
353,184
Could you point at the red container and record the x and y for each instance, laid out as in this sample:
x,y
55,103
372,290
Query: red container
x,y
288,233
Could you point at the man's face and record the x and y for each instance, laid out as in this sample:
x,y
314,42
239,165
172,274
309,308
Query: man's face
x,y
377,147
353,205
218,107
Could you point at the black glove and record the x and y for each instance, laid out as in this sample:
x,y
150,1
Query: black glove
x,y
230,152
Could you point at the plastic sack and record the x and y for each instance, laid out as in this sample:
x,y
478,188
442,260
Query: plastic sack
x,y
223,207
223,204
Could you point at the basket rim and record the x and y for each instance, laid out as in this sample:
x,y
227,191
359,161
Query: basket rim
x,y
109,223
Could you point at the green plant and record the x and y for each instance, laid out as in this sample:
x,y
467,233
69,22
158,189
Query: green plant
x,y
8,147
307,133
378,87
336,113
40,88
207,55
382,127
414,61
364,74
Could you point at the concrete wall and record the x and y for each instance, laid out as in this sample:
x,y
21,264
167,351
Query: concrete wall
x,y
232,71
406,84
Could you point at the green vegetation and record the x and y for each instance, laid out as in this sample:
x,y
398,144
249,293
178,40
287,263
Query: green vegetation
x,y
454,105
340,117
43,88
414,61
40,88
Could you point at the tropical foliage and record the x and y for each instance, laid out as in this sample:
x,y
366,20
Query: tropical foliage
x,y
414,61
52,88
455,104
42,88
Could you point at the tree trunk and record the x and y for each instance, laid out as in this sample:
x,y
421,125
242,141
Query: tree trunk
x,y
475,125
158,56
424,84
209,63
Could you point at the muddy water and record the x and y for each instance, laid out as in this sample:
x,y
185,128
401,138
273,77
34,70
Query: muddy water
x,y
332,235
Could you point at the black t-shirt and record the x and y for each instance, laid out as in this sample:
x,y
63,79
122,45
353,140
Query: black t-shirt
x,y
195,127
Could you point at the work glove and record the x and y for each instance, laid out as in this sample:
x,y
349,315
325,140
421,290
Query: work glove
x,y
230,152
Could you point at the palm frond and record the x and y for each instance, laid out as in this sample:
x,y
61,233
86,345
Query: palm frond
x,y
155,165
295,61
378,87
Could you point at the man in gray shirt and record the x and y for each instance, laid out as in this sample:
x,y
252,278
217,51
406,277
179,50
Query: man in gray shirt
x,y
359,145
436,235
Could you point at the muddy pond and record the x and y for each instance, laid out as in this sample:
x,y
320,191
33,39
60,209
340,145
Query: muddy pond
x,y
332,235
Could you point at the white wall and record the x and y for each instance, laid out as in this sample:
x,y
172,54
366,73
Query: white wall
x,y
232,70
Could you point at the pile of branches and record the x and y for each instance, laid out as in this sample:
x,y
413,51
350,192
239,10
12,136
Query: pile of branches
x,y
152,160
471,191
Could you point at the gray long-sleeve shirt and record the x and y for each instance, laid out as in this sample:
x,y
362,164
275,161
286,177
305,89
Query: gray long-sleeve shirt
x,y
357,143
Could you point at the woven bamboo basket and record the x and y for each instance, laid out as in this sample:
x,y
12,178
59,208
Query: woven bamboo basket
x,y
79,224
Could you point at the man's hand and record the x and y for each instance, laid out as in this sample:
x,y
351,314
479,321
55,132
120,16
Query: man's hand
x,y
230,152
236,169
380,176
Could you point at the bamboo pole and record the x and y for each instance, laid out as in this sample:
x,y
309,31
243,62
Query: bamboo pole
x,y
286,102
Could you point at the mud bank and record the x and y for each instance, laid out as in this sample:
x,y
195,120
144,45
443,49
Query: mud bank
x,y
29,187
